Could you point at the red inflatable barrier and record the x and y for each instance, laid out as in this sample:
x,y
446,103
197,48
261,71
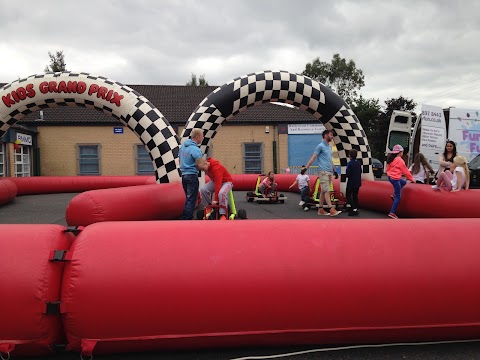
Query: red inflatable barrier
x,y
155,285
142,202
66,184
28,281
8,191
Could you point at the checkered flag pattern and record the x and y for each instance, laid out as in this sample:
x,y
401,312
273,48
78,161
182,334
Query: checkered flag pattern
x,y
281,86
117,100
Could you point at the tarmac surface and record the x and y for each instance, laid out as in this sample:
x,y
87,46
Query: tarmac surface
x,y
50,209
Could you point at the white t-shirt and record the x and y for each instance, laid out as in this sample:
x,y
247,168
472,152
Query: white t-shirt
x,y
420,176
455,178
302,180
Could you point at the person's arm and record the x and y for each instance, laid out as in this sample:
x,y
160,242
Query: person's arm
x,y
294,183
217,180
312,159
348,172
405,171
444,163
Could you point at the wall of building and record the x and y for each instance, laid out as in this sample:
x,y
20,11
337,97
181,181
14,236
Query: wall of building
x,y
58,148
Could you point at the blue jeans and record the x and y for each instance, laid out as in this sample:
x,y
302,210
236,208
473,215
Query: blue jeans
x,y
304,193
397,192
190,186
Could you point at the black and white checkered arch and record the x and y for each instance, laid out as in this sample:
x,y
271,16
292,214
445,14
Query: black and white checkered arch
x,y
281,86
37,92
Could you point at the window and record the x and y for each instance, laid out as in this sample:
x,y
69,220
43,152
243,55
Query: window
x,y
252,158
88,160
144,163
2,160
22,161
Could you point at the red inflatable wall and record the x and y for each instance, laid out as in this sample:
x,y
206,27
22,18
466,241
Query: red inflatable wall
x,y
66,184
142,202
8,191
28,280
155,285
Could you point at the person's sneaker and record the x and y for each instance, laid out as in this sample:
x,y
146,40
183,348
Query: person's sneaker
x,y
301,203
334,212
435,187
223,217
306,208
355,212
393,216
208,213
323,212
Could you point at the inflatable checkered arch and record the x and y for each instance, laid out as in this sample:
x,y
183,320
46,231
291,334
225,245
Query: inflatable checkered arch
x,y
281,86
37,92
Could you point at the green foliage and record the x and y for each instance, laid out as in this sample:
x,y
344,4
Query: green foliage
x,y
341,76
57,62
201,81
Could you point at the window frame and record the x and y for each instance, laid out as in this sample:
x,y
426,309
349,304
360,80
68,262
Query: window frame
x,y
99,161
258,158
137,161
24,150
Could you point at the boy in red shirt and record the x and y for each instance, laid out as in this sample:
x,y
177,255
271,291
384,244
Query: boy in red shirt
x,y
220,184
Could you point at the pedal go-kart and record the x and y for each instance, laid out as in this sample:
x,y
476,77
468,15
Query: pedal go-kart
x,y
338,200
212,211
257,196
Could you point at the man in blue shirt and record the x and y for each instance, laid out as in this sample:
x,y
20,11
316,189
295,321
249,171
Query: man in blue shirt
x,y
189,152
323,155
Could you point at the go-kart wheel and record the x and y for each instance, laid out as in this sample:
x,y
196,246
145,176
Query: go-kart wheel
x,y
250,196
199,214
242,214
281,199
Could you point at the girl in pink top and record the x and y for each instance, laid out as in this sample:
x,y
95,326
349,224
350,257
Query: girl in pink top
x,y
395,169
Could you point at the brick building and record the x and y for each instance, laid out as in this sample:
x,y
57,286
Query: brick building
x,y
79,141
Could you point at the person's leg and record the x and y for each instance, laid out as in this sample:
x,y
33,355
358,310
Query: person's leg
x,y
397,190
349,196
190,186
355,199
262,189
223,196
324,187
304,193
206,192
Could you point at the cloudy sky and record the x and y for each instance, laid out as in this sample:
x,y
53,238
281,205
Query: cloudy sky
x,y
427,51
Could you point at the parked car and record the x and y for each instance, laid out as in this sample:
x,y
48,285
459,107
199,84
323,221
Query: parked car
x,y
474,167
377,168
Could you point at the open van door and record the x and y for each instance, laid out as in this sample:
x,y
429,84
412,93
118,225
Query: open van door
x,y
399,131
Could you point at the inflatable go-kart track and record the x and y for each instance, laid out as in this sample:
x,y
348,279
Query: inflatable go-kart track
x,y
108,283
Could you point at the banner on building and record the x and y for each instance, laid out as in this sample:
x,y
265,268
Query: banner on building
x,y
305,128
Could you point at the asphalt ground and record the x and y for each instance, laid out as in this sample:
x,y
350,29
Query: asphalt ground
x,y
50,209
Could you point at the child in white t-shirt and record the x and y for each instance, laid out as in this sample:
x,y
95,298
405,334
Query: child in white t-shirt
x,y
303,181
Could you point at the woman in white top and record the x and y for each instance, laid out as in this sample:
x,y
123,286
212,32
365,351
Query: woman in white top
x,y
420,169
455,179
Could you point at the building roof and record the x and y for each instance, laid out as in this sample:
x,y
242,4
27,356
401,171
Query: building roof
x,y
175,102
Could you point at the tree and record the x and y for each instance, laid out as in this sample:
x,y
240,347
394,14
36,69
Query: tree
x,y
57,62
201,81
368,111
341,76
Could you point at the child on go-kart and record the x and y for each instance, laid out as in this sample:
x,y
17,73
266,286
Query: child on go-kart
x,y
268,187
220,184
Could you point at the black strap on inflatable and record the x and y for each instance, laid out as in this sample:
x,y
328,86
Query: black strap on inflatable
x,y
75,230
52,308
60,255
59,347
